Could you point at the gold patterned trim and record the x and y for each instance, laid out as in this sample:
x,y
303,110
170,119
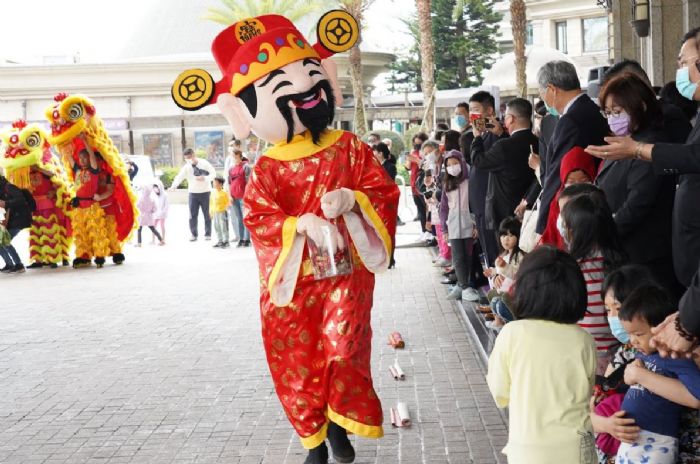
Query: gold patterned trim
x,y
363,430
370,213
316,439
303,146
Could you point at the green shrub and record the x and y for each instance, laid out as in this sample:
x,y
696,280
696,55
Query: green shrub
x,y
168,176
403,172
397,145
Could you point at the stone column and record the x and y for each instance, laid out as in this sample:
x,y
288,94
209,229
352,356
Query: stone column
x,y
691,14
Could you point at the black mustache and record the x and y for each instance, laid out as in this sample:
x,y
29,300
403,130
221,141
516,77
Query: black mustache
x,y
283,104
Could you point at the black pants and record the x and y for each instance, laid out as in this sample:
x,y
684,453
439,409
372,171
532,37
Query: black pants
x,y
420,206
487,239
153,229
197,201
462,259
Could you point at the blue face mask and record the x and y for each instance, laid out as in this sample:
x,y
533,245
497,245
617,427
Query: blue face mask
x,y
683,84
551,110
460,121
617,330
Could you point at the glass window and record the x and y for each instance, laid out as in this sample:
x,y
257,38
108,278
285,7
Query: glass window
x,y
562,45
595,34
529,34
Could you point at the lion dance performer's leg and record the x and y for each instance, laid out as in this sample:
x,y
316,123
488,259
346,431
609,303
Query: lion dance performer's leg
x,y
115,246
47,237
90,233
318,349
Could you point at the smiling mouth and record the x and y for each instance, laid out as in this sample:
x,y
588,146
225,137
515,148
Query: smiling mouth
x,y
309,101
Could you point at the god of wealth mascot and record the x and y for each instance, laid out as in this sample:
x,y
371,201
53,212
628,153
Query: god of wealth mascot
x,y
29,164
316,333
104,205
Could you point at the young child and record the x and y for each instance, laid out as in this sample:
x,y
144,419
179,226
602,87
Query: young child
x,y
542,365
590,235
162,207
147,208
218,207
658,386
503,275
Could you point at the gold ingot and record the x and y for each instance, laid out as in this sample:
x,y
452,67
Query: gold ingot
x,y
329,155
261,230
343,327
305,196
296,166
371,394
339,385
335,296
278,344
355,391
310,301
274,367
318,364
261,201
305,337
302,403
303,372
290,342
352,415
320,190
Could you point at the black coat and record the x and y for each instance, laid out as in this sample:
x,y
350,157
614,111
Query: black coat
x,y
673,159
641,203
511,177
478,179
390,168
582,125
20,216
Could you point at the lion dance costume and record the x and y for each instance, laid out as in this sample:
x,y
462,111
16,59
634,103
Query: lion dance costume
x,y
30,165
316,333
100,226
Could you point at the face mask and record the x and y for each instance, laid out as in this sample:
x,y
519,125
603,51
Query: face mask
x,y
562,229
459,121
157,191
550,109
454,170
191,161
619,125
617,330
416,146
683,84
430,158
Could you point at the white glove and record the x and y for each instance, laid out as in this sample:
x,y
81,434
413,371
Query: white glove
x,y
321,232
337,202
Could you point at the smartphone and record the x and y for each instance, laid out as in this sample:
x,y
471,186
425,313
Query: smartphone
x,y
478,121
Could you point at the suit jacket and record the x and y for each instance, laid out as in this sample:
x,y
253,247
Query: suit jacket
x,y
641,203
673,159
582,125
511,177
478,179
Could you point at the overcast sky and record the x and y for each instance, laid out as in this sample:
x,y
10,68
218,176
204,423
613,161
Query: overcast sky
x,y
96,29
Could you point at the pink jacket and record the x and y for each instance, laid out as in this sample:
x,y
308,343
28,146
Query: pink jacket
x,y
147,206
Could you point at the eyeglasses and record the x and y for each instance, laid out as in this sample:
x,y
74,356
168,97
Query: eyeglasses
x,y
606,114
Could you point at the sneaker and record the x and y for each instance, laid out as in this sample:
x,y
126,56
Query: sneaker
x,y
240,244
470,294
449,281
17,269
207,237
442,262
493,325
6,269
247,243
225,245
36,265
218,245
193,239
455,293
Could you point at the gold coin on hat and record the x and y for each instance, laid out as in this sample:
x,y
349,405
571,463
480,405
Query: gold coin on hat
x,y
338,31
193,89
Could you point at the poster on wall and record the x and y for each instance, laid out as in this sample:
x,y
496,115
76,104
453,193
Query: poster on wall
x,y
211,143
159,147
118,142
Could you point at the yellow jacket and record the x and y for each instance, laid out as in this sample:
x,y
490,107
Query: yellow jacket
x,y
219,201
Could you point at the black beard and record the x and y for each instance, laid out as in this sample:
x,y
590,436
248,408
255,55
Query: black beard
x,y
315,119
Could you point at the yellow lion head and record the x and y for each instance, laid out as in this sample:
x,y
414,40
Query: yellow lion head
x,y
24,145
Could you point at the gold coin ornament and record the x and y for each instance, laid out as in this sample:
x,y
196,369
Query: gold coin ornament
x,y
338,31
193,89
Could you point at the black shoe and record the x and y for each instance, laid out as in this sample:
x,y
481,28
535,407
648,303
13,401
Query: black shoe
x,y
448,273
399,222
118,258
342,449
65,262
225,245
36,265
318,455
392,264
218,245
240,244
247,243
6,269
81,262
99,262
53,265
431,243
17,269
449,281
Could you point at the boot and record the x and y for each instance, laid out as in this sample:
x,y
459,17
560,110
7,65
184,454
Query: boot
x,y
100,262
118,258
342,449
318,455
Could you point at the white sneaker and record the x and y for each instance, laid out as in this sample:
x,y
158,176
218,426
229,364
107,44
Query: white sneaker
x,y
442,262
455,293
428,236
470,294
421,237
491,325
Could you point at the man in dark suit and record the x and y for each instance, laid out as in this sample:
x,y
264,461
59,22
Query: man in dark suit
x,y
580,124
511,176
677,332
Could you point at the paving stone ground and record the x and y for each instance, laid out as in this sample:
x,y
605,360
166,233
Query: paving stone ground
x,y
161,361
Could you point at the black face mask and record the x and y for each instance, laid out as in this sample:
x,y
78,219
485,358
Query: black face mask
x,y
315,119
416,146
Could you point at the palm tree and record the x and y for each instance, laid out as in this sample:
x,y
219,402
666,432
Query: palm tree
x,y
518,21
294,10
425,28
357,8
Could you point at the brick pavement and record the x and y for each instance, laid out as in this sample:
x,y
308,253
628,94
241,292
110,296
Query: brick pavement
x,y
160,361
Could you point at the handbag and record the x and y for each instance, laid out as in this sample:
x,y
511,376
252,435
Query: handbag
x,y
5,238
528,233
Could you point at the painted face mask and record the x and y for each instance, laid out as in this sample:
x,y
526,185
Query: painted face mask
x,y
454,170
684,85
619,124
617,330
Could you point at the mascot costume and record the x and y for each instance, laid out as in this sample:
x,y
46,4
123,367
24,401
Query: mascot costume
x,y
316,333
29,164
105,205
